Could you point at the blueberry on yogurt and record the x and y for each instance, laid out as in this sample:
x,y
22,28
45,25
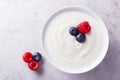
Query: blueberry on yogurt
x,y
73,31
81,37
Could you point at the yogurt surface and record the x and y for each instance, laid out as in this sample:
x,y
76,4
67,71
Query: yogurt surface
x,y
63,48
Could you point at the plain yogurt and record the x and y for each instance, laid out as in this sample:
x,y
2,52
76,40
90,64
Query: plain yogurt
x,y
63,48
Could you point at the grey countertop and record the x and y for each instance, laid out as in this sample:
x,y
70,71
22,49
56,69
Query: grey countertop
x,y
20,27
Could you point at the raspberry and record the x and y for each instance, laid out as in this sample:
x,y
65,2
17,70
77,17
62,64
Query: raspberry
x,y
34,65
27,57
84,27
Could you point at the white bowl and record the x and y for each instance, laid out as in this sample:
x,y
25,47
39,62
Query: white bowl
x,y
103,52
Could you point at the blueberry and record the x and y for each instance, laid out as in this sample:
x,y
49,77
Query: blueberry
x,y
37,56
81,37
73,31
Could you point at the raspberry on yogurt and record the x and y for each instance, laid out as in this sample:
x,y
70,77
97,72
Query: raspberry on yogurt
x,y
84,27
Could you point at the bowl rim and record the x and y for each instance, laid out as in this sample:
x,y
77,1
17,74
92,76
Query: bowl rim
x,y
105,49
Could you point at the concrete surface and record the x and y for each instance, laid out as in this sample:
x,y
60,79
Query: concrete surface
x,y
20,28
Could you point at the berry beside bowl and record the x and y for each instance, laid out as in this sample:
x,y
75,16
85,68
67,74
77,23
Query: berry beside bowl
x,y
27,57
37,56
74,40
33,65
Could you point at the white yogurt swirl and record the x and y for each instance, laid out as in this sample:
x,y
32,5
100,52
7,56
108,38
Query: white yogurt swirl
x,y
64,49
